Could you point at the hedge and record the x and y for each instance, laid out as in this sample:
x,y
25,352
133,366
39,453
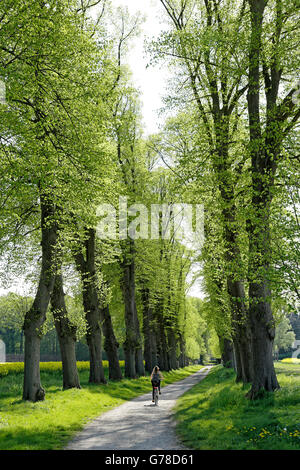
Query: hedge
x,y
291,360
18,367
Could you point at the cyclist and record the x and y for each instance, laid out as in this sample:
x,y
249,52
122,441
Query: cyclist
x,y
156,377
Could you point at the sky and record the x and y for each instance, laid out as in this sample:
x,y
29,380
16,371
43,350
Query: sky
x,y
150,81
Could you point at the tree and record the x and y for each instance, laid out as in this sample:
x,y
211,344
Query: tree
x,y
219,78
49,111
284,222
284,336
199,42
66,332
266,136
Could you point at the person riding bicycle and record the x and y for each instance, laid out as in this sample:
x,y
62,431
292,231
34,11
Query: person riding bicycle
x,y
156,377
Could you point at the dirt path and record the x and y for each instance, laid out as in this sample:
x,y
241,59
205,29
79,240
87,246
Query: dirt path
x,y
138,424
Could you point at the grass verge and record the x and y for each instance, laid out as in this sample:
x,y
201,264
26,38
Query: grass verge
x,y
215,415
50,424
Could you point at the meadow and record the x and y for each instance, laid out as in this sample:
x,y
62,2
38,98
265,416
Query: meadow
x,y
50,424
215,415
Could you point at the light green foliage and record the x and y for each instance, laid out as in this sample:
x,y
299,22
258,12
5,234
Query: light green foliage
x,y
207,142
284,336
54,127
195,328
12,310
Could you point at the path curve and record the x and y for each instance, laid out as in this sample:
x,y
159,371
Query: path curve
x,y
138,424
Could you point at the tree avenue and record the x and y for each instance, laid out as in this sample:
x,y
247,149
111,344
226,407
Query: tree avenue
x,y
234,57
93,211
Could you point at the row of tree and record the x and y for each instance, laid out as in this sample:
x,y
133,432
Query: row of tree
x,y
72,144
235,142
72,150
201,341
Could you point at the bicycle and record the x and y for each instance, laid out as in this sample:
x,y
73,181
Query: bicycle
x,y
155,387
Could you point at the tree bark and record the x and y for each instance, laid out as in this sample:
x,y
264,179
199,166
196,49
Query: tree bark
x,y
133,343
36,315
111,344
146,331
139,356
241,331
163,360
87,270
66,333
130,343
261,318
182,355
172,349
263,164
149,332
263,331
226,347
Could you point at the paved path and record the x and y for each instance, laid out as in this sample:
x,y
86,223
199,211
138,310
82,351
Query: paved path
x,y
138,424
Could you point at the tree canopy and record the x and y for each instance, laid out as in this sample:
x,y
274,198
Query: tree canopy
x,y
112,227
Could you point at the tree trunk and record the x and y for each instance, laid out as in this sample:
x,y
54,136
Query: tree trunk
x,y
153,338
172,349
92,310
263,332
94,342
241,329
111,344
139,362
66,333
238,362
263,166
245,363
133,343
235,285
150,352
139,356
182,343
36,315
87,269
226,347
153,346
130,343
129,354
163,361
147,340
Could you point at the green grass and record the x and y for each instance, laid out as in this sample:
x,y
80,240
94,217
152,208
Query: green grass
x,y
215,415
50,424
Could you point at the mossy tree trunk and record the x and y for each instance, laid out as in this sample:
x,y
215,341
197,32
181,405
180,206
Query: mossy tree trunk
x,y
36,315
133,347
86,266
111,344
66,333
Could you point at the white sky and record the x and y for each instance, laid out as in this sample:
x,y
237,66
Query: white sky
x,y
150,81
